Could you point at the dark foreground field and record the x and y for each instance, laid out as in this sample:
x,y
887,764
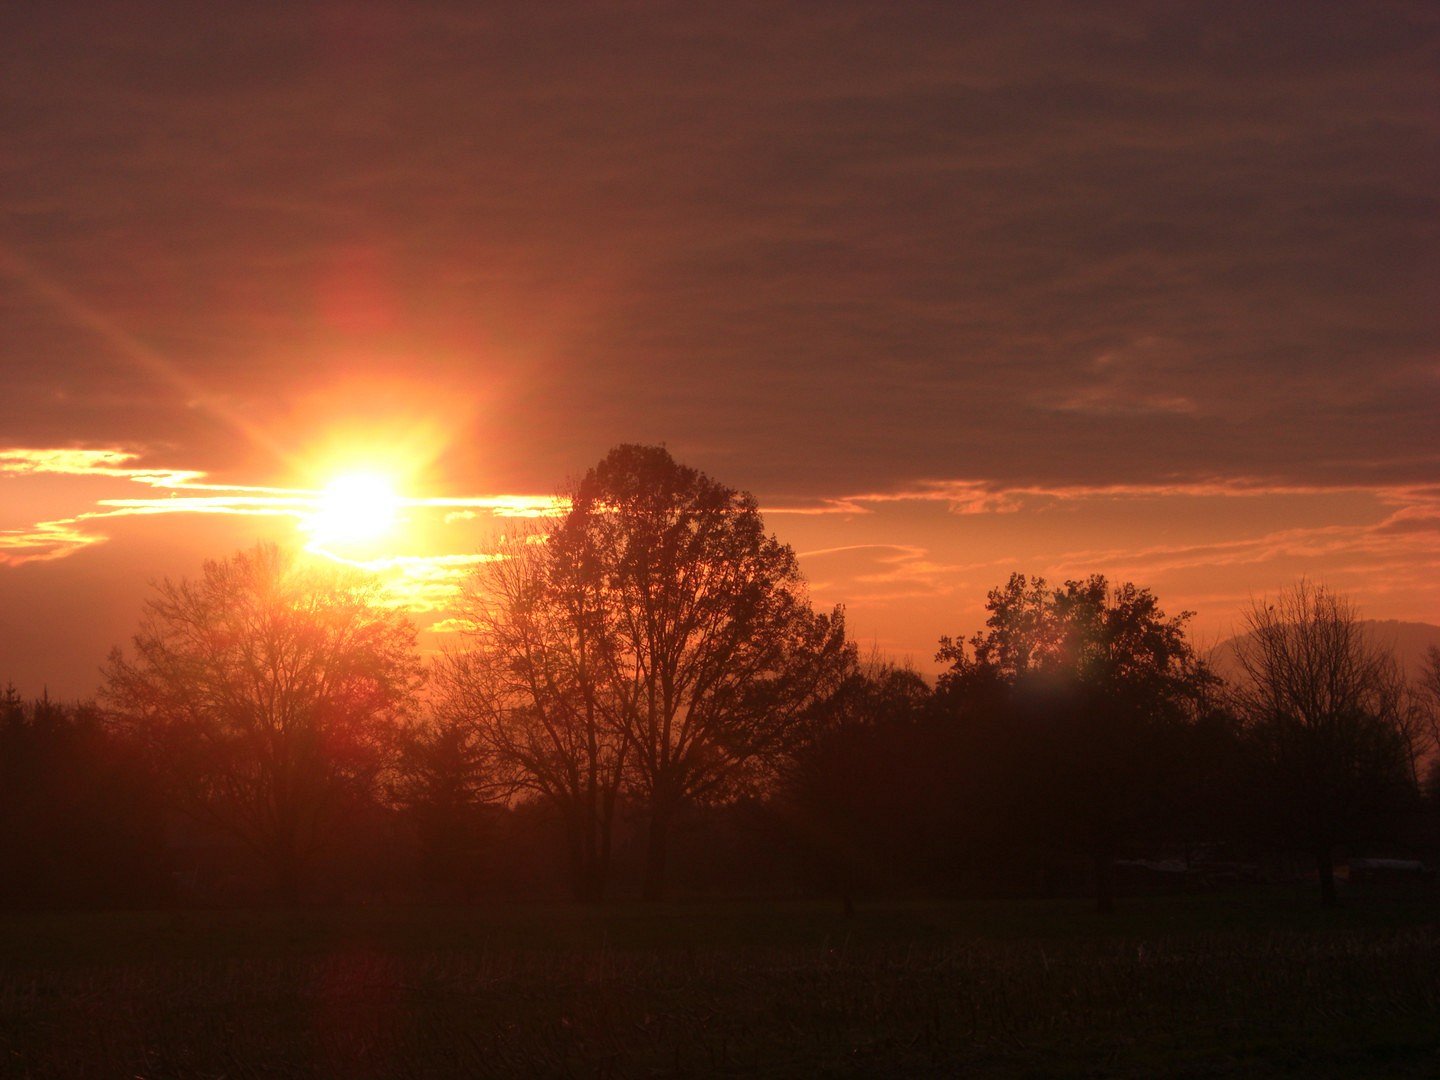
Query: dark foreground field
x,y
1239,986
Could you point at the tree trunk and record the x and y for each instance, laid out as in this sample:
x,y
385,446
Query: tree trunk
x,y
586,889
1104,883
1325,865
575,848
587,843
287,878
655,855
591,888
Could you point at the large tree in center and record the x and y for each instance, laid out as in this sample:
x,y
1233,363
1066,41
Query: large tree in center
x,y
712,651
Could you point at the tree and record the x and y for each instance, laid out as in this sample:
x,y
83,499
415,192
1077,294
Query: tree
x,y
1430,679
79,821
1428,701
848,792
268,691
1422,722
447,783
1322,703
534,683
652,641
1101,687
711,651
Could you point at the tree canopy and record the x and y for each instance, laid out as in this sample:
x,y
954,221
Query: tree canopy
x,y
533,683
1102,685
656,637
268,689
1323,705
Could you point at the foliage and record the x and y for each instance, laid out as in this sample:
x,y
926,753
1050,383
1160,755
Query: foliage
x,y
269,691
1112,642
1323,705
1101,688
851,794
532,687
654,638
79,821
447,785
1423,716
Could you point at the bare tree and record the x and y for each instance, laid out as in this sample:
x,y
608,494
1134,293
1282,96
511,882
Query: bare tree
x,y
1424,722
1323,707
532,682
268,690
1430,675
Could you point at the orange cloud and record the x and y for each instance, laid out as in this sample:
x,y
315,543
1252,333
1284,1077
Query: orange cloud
x,y
417,582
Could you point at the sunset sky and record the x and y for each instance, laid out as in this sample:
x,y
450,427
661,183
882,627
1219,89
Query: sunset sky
x,y
1144,289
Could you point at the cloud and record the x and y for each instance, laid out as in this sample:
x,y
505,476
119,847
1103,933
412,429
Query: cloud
x,y
421,583
1372,556
44,541
1137,378
912,569
928,276
63,537
79,462
843,250
882,573
978,497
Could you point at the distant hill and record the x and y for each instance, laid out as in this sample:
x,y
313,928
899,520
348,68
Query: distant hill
x,y
1410,641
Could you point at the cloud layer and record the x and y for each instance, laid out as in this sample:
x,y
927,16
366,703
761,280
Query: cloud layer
x,y
417,570
817,250
956,288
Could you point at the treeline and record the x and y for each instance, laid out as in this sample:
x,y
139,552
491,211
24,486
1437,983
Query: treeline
x,y
645,701
1078,744
81,820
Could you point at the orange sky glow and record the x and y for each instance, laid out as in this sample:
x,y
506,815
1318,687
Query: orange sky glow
x,y
955,290
909,565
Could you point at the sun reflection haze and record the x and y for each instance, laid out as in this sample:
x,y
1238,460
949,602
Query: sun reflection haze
x,y
354,508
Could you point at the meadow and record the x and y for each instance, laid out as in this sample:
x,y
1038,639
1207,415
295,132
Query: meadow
x,y
1253,985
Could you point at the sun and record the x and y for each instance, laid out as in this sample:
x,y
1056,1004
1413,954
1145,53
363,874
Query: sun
x,y
353,508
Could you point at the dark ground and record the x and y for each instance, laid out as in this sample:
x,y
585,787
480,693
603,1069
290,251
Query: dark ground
x,y
1263,984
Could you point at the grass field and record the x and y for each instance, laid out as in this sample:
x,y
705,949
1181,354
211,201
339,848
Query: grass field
x,y
1256,985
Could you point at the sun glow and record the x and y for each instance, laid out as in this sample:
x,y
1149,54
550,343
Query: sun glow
x,y
354,508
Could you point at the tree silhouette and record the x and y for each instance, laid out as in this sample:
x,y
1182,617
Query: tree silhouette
x,y
534,684
1423,721
1322,703
714,652
847,794
447,783
1102,687
80,823
653,640
268,691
